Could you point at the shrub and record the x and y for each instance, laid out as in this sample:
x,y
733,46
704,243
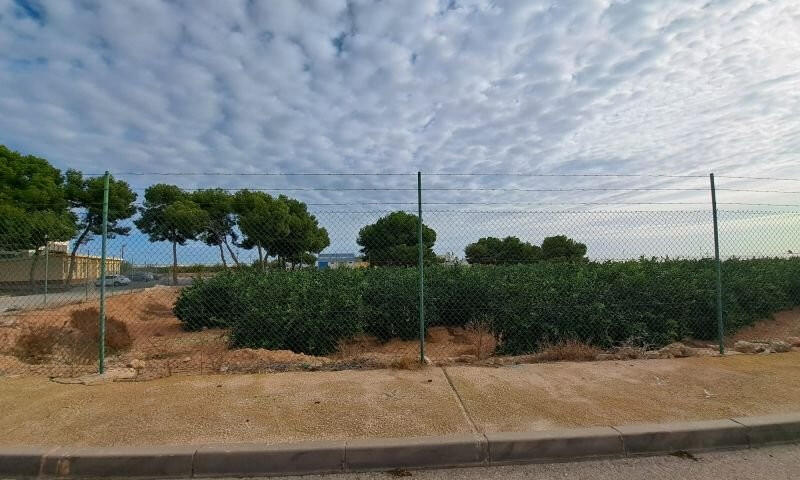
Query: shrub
x,y
523,306
305,311
567,351
214,302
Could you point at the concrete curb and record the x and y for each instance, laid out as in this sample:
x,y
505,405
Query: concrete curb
x,y
410,453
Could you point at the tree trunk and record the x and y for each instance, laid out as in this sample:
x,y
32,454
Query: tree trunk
x,y
233,255
34,261
72,256
261,257
174,262
222,256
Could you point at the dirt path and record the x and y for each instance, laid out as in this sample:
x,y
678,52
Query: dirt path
x,y
296,406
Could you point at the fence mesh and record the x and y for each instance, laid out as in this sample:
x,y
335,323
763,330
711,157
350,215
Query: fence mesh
x,y
243,282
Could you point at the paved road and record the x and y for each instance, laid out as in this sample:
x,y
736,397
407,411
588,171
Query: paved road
x,y
772,463
75,294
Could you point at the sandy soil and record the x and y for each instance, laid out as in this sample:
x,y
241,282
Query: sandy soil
x,y
545,396
161,348
783,325
295,406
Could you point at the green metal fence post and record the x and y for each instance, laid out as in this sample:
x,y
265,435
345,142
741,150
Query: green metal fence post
x,y
46,266
102,319
720,324
421,273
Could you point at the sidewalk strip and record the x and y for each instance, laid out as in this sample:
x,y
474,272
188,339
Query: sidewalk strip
x,y
460,401
390,453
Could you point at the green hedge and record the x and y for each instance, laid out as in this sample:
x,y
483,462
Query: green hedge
x,y
653,302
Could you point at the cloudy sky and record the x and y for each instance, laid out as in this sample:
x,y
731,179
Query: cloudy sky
x,y
655,87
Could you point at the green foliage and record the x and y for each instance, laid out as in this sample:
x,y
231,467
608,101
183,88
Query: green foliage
x,y
562,248
494,251
33,205
186,218
169,214
21,230
305,311
282,226
30,183
393,240
212,303
218,206
86,194
652,302
154,220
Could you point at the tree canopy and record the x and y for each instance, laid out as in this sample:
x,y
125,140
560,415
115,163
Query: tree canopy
x,y
169,214
282,226
33,205
495,251
392,240
218,205
560,247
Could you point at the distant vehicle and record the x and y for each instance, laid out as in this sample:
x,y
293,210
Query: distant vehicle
x,y
115,280
141,277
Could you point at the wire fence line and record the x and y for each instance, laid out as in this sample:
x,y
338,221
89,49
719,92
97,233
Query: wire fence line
x,y
207,280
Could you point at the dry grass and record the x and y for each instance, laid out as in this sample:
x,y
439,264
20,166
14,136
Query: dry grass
x,y
479,334
567,351
352,348
405,363
118,338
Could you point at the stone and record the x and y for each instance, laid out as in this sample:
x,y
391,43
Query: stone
x,y
793,341
654,354
779,346
465,358
110,375
677,350
627,353
749,347
137,365
605,356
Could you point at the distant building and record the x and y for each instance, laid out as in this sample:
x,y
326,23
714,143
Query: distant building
x,y
15,267
337,260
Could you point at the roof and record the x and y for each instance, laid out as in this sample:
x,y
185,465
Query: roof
x,y
337,257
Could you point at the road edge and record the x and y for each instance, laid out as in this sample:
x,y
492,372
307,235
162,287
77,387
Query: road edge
x,y
377,454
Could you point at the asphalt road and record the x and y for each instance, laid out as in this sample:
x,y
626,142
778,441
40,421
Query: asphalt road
x,y
56,297
771,463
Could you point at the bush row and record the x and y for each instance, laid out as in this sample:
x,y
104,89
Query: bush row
x,y
653,302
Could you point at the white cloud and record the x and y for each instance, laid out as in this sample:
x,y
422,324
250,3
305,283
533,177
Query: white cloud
x,y
468,86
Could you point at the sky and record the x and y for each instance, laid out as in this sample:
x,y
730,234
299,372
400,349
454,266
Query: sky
x,y
640,87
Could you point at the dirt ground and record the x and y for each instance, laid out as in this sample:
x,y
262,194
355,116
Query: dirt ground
x,y
297,406
160,348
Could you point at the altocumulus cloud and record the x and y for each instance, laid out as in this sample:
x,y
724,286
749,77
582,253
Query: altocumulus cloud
x,y
662,86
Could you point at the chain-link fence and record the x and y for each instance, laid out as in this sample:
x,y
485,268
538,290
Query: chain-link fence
x,y
236,280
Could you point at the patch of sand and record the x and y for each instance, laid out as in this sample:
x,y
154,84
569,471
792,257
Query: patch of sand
x,y
544,396
296,406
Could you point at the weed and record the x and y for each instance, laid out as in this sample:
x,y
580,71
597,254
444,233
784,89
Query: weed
x,y
567,351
